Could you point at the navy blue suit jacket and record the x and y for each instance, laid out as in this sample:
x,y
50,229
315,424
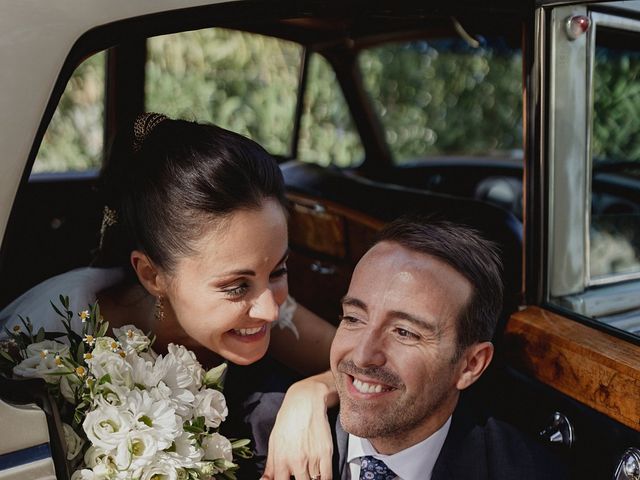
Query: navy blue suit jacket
x,y
485,449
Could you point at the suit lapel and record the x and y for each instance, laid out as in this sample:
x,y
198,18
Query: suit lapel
x,y
463,455
340,442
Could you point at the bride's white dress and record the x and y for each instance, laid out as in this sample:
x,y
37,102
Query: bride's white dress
x,y
80,285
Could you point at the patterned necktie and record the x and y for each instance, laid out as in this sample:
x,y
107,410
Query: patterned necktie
x,y
373,469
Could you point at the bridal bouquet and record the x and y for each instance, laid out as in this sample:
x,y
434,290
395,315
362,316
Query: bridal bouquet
x,y
131,414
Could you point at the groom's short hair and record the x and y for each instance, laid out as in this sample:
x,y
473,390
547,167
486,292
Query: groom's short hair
x,y
464,249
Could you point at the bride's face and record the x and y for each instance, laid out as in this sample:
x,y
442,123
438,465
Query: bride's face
x,y
226,296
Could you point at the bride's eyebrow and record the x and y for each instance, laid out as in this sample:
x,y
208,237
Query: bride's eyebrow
x,y
247,272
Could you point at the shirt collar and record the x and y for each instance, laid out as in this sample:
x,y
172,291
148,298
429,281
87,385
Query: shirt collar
x,y
410,463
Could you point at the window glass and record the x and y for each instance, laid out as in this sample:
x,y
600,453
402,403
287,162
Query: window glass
x,y
243,82
615,208
446,96
74,139
327,133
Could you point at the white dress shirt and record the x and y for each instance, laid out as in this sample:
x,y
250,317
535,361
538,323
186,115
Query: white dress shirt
x,y
413,463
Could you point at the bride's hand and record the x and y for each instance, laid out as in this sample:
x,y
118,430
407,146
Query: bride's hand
x,y
300,443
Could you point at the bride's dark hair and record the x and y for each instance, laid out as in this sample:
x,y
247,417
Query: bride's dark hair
x,y
169,180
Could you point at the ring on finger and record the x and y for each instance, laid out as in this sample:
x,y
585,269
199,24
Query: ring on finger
x,y
315,477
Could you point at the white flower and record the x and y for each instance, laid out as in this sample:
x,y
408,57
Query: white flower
x,y
182,368
166,467
73,441
102,466
112,364
93,456
104,344
211,405
156,417
187,448
180,398
215,375
84,474
217,446
41,361
106,426
113,394
136,451
144,372
132,339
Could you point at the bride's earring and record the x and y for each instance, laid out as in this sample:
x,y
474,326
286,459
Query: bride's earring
x,y
159,314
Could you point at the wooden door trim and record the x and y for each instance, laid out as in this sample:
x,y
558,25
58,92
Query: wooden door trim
x,y
588,365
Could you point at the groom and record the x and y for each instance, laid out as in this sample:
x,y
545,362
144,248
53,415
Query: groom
x,y
415,332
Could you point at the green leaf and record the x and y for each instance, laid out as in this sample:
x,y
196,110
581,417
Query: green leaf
x,y
243,442
57,310
40,336
80,353
193,429
64,300
7,356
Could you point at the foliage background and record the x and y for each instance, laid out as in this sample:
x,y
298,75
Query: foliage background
x,y
433,98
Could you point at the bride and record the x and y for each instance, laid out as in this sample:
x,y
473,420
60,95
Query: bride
x,y
193,248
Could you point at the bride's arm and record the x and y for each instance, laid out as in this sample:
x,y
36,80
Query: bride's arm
x,y
300,443
305,347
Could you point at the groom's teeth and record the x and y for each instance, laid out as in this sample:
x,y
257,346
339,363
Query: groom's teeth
x,y
247,331
364,387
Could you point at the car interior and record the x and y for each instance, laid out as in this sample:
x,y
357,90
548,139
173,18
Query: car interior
x,y
335,210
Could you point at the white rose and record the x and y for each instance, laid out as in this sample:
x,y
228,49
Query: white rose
x,y
217,446
211,405
93,456
132,339
137,451
164,466
182,368
73,441
187,448
84,474
41,361
112,364
113,394
106,426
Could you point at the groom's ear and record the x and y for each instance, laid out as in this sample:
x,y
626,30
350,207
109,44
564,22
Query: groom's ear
x,y
474,361
150,276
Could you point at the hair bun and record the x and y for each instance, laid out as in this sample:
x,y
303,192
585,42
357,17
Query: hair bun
x,y
143,126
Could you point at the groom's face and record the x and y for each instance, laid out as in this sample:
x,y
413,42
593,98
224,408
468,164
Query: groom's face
x,y
394,354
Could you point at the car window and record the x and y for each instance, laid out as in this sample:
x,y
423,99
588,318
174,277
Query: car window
x,y
241,81
447,96
327,133
74,139
615,206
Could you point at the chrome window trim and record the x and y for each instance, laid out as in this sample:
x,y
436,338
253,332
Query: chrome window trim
x,y
567,154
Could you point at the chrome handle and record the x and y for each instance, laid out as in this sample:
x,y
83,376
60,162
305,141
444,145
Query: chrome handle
x,y
318,267
559,431
629,466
